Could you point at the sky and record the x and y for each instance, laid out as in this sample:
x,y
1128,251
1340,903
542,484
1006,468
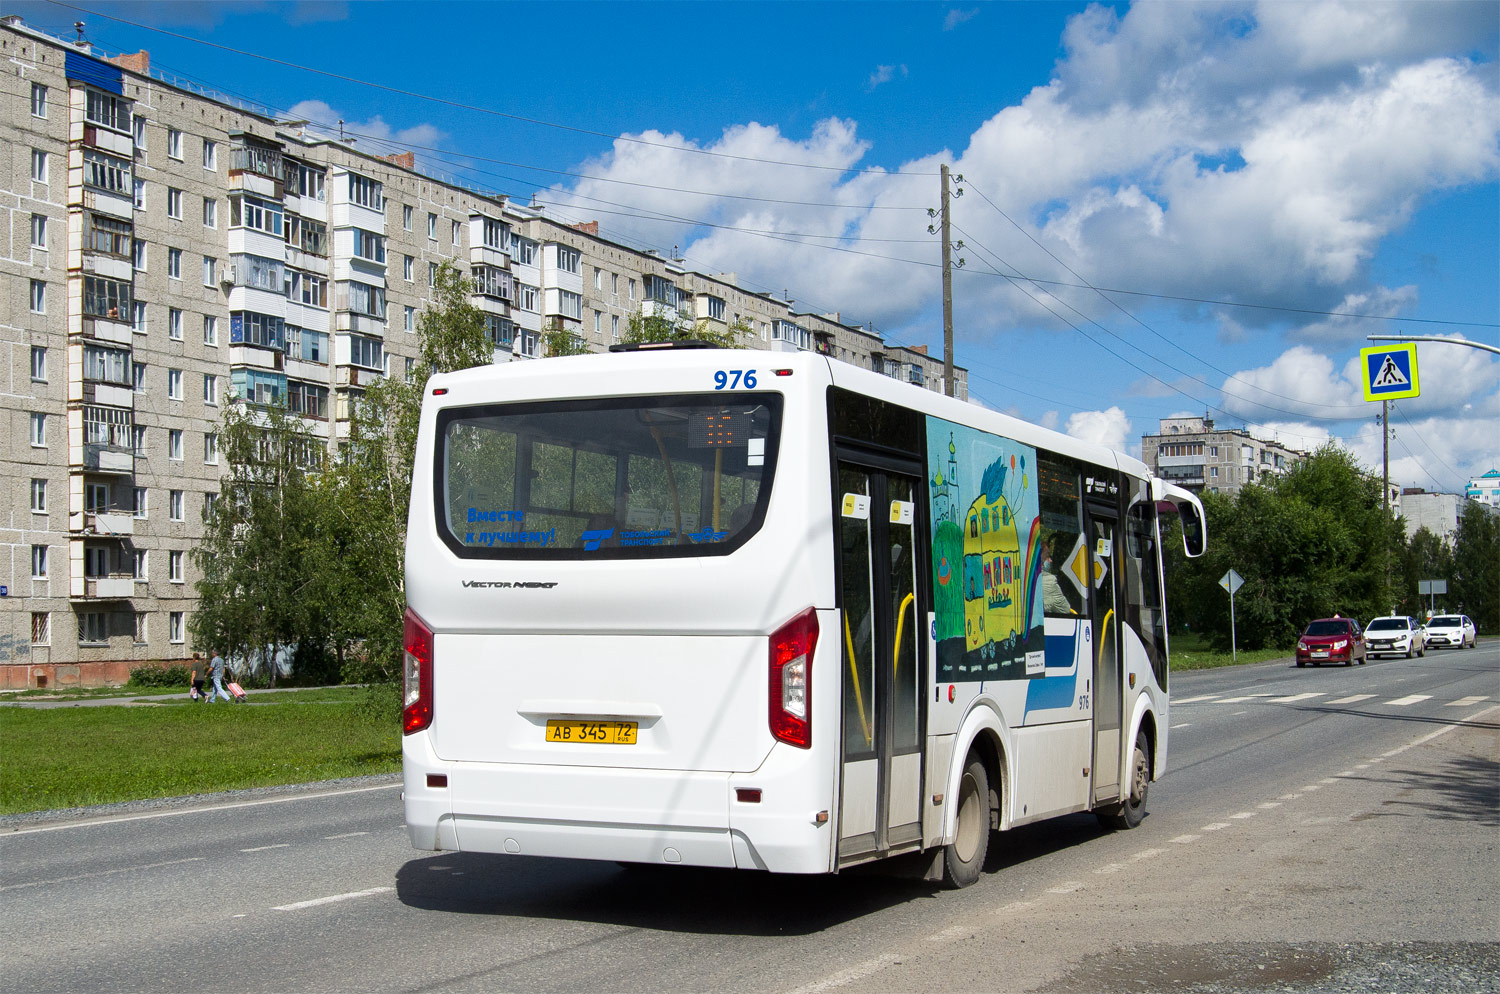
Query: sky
x,y
1167,209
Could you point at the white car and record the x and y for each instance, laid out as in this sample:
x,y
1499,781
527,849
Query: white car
x,y
1451,630
1395,635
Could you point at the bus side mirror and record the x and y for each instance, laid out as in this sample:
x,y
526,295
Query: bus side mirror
x,y
1192,529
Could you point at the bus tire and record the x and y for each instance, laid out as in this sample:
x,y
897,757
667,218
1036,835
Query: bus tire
x,y
1129,812
963,858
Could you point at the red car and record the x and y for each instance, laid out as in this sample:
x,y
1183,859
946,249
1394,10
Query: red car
x,y
1331,640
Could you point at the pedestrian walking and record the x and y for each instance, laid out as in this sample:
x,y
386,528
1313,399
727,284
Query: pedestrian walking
x,y
216,670
199,672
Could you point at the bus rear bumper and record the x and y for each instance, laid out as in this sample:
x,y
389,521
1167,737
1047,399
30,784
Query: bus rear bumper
x,y
633,816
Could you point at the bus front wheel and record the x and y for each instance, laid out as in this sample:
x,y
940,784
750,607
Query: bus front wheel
x,y
1129,812
963,858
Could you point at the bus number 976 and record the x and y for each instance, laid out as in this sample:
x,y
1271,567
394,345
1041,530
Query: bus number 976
x,y
730,379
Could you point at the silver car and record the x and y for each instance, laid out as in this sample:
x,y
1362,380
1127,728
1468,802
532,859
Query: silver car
x,y
1454,631
1395,635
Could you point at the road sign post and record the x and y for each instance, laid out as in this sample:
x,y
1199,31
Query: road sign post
x,y
1431,588
1231,582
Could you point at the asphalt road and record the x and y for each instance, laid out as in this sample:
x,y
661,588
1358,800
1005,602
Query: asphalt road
x,y
1319,830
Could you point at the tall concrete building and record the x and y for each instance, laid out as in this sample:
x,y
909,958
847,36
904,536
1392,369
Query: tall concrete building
x,y
1194,454
171,252
1485,488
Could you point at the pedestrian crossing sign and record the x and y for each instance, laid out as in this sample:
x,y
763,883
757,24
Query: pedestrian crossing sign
x,y
1390,371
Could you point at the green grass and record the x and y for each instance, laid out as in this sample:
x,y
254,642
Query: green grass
x,y
1192,652
71,757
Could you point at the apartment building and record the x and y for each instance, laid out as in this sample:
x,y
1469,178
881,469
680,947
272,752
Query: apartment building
x,y
1192,453
1485,488
173,252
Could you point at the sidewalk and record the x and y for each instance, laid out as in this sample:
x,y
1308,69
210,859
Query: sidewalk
x,y
150,699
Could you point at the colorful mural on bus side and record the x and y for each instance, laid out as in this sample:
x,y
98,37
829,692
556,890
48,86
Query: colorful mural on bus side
x,y
985,525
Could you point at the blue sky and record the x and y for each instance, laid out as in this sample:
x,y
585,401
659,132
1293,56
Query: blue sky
x,y
1320,157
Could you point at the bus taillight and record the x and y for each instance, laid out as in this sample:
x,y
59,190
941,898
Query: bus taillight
x,y
416,712
791,679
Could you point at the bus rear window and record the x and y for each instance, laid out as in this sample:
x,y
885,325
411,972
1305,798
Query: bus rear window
x,y
638,477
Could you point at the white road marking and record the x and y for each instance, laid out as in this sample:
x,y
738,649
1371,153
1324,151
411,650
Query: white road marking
x,y
1329,780
1214,827
1067,888
1241,700
1243,815
200,810
1184,839
346,835
1014,906
1311,787
100,873
1185,724
1347,773
332,899
951,933
1408,701
1288,797
1440,732
1111,868
848,976
1269,805
279,845
1196,700
1294,698
1467,702
1145,854
1353,699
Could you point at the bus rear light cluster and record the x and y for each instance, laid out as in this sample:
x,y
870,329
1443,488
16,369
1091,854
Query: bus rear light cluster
x,y
416,672
790,705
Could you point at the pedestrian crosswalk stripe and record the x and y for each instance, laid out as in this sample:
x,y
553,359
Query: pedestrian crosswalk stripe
x,y
1353,699
1402,702
1241,700
1467,701
1292,699
1195,700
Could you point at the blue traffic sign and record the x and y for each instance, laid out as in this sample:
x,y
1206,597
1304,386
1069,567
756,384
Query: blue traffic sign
x,y
1390,371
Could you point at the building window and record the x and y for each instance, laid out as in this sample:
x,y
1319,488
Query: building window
x,y
432,274
522,250
457,237
41,628
210,330
246,211
210,212
568,260
210,506
139,321
614,284
432,226
138,440
174,144
368,245
716,308
96,498
105,298
598,324
105,172
38,100
210,391
39,363
632,289
366,192
366,352
138,570
174,263
570,304
140,616
39,496
175,627
174,324
138,255
140,194
407,265
174,566
106,110
210,269
39,231
174,505
210,154
411,368
614,327
174,203
138,377
39,562
174,444
93,628
411,318
39,431
39,165
210,446
140,134
526,297
38,297
598,279
362,298
406,217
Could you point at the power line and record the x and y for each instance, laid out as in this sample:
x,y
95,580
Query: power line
x,y
478,109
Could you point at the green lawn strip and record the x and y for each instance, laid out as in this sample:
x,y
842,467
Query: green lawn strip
x,y
73,757
1192,652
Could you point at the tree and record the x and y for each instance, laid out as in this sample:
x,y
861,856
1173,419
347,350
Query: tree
x,y
254,557
559,341
1475,586
1427,557
369,491
642,328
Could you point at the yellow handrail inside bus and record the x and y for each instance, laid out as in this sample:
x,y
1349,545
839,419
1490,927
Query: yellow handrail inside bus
x,y
859,697
900,620
1104,626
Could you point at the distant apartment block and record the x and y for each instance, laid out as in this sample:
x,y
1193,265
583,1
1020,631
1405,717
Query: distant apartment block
x,y
1193,454
1486,488
173,251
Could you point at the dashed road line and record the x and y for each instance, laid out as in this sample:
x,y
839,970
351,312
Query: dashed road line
x,y
1352,699
1464,702
332,899
1214,827
278,845
1070,887
951,933
1268,805
1242,815
1145,854
1293,698
1408,701
100,873
1241,700
1196,700
1185,839
1185,724
346,835
849,976
1111,868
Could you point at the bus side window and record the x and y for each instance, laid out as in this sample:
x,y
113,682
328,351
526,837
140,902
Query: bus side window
x,y
1143,607
1062,524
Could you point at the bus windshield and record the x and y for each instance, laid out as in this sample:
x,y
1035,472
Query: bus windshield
x,y
641,477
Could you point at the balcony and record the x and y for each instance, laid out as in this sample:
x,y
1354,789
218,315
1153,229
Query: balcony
x,y
102,524
106,458
116,587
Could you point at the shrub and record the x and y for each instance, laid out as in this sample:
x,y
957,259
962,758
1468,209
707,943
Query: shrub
x,y
155,675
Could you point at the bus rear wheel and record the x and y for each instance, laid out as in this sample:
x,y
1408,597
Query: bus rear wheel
x,y
963,858
1129,812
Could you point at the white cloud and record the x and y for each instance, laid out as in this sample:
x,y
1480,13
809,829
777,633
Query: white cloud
x,y
1111,428
955,17
884,74
374,136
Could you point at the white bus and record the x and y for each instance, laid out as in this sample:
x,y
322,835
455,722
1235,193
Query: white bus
x,y
766,610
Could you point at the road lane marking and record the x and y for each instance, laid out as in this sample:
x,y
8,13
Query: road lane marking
x,y
1467,701
278,845
1269,805
1241,700
332,899
1196,700
1408,701
1111,868
1347,773
1214,827
1243,815
1423,740
101,873
848,976
346,835
1070,887
1184,839
1145,854
1329,780
1293,699
211,807
1353,699
1185,724
1288,797
1311,786
951,933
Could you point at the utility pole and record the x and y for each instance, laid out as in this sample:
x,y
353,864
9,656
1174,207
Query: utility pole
x,y
1385,489
948,385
